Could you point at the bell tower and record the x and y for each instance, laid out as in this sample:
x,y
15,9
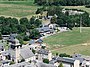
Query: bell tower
x,y
16,47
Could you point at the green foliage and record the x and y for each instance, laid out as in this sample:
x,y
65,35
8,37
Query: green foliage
x,y
33,51
26,38
20,38
46,61
61,65
66,20
23,21
56,54
34,34
53,20
64,55
0,36
63,2
12,62
12,25
43,47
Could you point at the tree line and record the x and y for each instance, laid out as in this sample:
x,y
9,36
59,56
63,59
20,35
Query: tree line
x,y
66,20
62,2
12,25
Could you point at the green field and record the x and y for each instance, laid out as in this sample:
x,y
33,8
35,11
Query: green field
x,y
70,42
18,8
78,7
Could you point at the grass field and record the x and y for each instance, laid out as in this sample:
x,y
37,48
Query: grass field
x,y
18,9
78,7
70,42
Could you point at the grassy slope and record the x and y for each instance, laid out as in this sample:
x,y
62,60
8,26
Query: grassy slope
x,y
69,42
18,9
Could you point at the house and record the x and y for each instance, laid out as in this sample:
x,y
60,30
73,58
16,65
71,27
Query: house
x,y
16,52
5,36
32,64
63,29
53,26
2,49
72,12
86,62
44,54
45,30
67,62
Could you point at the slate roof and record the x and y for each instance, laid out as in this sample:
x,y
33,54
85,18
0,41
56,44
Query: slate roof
x,y
40,64
43,51
66,60
31,42
26,53
27,64
23,64
9,52
1,47
39,41
44,29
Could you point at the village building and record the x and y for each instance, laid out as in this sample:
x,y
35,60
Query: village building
x,y
16,53
44,54
72,12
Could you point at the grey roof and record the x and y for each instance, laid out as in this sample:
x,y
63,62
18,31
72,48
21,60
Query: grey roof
x,y
26,53
9,52
1,47
13,35
31,42
27,64
5,61
19,64
66,60
43,51
39,40
40,64
44,29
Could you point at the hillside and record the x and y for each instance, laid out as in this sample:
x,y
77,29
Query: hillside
x,y
18,8
69,40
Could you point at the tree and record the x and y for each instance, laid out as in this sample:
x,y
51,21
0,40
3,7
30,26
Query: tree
x,y
12,62
21,28
33,51
23,21
0,36
34,34
26,38
6,30
64,55
61,65
53,20
37,23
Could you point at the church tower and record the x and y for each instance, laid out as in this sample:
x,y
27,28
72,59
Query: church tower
x,y
16,47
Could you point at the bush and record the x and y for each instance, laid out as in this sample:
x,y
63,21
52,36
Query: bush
x,y
26,38
12,62
33,51
46,61
43,47
61,65
64,55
